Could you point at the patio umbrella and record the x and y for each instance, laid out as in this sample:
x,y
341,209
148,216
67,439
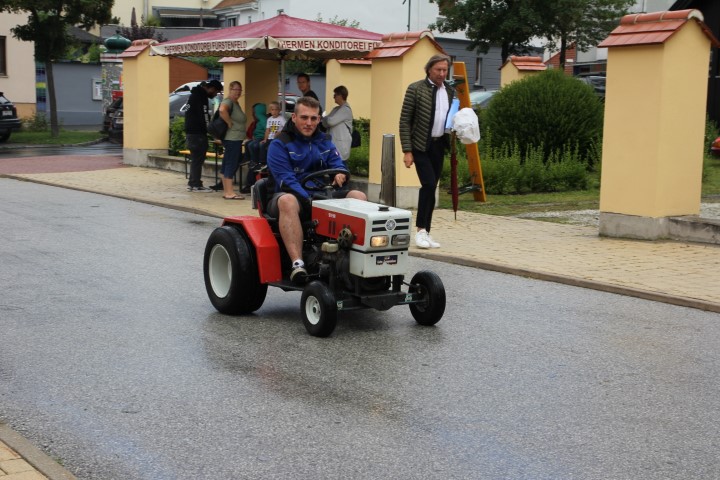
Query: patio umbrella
x,y
278,38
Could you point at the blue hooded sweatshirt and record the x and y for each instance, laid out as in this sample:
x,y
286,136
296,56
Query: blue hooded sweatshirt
x,y
292,156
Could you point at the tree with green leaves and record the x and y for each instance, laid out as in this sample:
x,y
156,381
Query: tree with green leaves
x,y
510,24
47,26
584,23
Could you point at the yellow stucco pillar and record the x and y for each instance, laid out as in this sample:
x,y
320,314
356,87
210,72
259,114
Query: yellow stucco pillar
x,y
146,128
657,77
396,64
259,79
356,76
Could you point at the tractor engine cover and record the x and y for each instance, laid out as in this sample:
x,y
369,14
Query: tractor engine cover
x,y
380,234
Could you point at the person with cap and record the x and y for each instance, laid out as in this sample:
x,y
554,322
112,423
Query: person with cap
x,y
196,120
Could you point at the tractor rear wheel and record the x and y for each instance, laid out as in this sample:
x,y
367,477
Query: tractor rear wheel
x,y
231,272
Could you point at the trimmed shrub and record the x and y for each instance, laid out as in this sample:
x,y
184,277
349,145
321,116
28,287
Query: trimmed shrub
x,y
549,109
359,160
507,171
177,135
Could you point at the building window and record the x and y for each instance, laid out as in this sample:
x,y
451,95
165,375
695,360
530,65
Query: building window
x,y
478,72
231,21
3,57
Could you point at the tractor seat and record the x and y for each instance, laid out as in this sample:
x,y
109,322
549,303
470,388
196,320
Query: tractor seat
x,y
262,192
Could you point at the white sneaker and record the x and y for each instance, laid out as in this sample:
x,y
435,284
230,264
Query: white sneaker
x,y
421,239
433,243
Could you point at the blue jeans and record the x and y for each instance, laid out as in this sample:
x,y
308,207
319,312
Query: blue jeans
x,y
231,158
253,148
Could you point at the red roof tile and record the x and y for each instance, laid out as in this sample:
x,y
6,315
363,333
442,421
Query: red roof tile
x,y
654,28
136,48
526,64
397,44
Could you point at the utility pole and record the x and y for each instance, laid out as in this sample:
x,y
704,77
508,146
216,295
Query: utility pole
x,y
409,4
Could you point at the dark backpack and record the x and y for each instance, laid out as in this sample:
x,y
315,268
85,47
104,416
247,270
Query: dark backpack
x,y
356,138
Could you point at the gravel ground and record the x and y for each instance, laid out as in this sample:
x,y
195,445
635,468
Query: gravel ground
x,y
590,217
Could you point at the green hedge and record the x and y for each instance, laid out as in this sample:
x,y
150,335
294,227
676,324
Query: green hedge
x,y
548,109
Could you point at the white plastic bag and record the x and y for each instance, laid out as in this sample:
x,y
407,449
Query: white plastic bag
x,y
465,124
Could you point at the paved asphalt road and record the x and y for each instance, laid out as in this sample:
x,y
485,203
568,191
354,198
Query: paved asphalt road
x,y
113,361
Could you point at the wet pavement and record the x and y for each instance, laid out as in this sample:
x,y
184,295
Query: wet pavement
x,y
678,273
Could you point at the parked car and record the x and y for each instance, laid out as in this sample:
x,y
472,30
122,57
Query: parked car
x,y
177,105
9,120
481,98
115,130
186,87
109,111
597,82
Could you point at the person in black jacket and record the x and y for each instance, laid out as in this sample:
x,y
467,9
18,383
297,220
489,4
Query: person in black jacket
x,y
422,135
196,120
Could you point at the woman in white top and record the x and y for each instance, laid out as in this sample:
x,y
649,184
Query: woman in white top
x,y
339,123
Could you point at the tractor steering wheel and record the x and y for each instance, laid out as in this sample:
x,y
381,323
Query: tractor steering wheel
x,y
322,180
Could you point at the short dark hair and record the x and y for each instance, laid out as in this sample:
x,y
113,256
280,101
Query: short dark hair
x,y
342,91
309,102
304,75
437,58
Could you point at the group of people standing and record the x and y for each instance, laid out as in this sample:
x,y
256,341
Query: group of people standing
x,y
253,136
423,138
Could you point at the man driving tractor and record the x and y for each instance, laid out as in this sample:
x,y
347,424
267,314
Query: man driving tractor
x,y
297,151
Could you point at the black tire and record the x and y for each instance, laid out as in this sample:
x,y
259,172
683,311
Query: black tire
x,y
231,273
319,310
432,308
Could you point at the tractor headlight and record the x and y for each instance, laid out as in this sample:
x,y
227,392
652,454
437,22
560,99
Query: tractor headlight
x,y
379,241
401,240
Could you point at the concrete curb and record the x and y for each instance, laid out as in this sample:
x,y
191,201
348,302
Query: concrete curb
x,y
573,281
34,456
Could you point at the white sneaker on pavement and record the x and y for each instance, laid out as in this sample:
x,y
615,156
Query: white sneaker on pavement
x,y
433,243
421,239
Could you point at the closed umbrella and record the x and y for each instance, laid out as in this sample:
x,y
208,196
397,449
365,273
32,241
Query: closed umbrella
x,y
453,173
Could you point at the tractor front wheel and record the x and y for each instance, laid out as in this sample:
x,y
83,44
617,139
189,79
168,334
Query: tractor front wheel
x,y
319,310
431,309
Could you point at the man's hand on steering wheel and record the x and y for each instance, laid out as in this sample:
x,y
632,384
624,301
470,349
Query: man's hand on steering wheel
x,y
321,180
340,179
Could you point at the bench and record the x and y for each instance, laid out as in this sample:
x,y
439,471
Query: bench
x,y
217,157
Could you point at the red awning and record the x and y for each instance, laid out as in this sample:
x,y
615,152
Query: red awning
x,y
278,38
